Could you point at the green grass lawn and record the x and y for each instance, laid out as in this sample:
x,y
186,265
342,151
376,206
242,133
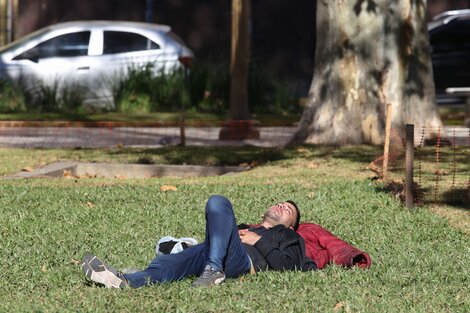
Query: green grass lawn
x,y
420,261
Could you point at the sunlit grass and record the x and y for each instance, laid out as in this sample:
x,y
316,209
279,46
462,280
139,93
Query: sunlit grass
x,y
419,260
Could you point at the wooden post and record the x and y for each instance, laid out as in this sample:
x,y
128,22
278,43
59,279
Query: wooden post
x,y
409,165
388,125
182,131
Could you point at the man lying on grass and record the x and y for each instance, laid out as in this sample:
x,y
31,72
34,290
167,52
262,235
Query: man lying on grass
x,y
226,251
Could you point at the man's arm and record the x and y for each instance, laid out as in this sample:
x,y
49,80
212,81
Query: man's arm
x,y
248,237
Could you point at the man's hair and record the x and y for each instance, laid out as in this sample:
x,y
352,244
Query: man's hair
x,y
297,221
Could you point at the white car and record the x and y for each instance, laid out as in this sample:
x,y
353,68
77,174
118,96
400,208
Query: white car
x,y
92,54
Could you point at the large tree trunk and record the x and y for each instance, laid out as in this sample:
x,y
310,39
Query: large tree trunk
x,y
368,53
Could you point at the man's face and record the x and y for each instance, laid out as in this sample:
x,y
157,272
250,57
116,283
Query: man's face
x,y
282,213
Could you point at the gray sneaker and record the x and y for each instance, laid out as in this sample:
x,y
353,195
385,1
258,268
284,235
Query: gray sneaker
x,y
101,273
209,277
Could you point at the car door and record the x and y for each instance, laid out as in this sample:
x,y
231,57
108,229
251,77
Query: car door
x,y
125,50
58,62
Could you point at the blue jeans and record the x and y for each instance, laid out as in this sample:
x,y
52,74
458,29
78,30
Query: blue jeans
x,y
222,249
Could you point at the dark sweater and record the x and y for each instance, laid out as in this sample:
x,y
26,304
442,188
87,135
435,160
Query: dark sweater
x,y
280,249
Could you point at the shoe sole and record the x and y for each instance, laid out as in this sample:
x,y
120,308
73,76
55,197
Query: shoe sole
x,y
97,271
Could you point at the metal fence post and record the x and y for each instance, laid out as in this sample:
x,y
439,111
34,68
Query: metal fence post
x,y
409,165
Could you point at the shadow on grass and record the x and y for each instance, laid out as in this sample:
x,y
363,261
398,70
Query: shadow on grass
x,y
207,155
396,189
458,198
252,155
358,154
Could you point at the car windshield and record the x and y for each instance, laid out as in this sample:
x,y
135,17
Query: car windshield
x,y
30,37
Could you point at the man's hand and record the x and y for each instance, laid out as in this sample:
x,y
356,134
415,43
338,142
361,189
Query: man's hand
x,y
248,237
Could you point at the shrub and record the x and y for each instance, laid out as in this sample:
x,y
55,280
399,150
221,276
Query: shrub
x,y
206,88
143,89
169,91
71,98
130,91
267,94
12,98
46,98
209,86
57,97
209,89
134,103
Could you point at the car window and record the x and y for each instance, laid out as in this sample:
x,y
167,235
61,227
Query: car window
x,y
119,42
68,45
454,36
24,40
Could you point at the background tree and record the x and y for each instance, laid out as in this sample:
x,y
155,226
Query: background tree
x,y
368,53
240,59
240,125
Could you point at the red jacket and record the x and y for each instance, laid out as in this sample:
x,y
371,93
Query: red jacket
x,y
323,248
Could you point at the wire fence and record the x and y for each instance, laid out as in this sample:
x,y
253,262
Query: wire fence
x,y
109,134
441,166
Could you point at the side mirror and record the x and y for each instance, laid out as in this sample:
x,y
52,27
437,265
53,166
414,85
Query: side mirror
x,y
31,54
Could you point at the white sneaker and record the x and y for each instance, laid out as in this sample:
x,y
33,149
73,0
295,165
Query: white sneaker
x,y
102,273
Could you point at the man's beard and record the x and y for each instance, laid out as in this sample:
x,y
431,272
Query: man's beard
x,y
271,216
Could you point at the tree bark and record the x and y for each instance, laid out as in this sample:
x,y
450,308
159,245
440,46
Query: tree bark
x,y
240,56
240,126
368,53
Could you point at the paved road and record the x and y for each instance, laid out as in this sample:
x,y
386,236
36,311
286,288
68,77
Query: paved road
x,y
93,137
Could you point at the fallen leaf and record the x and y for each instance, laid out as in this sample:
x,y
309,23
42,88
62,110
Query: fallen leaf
x,y
441,172
27,169
68,174
89,204
74,262
168,188
43,269
312,165
339,306
87,176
